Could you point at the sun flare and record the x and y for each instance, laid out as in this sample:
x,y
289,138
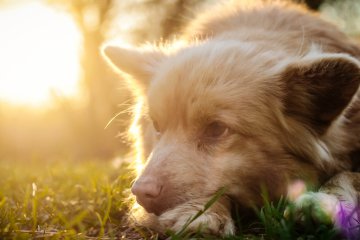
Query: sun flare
x,y
39,54
135,133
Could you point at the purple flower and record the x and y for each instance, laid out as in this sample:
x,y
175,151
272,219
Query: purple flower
x,y
348,220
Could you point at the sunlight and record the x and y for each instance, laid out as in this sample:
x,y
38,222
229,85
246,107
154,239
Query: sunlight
x,y
135,133
39,58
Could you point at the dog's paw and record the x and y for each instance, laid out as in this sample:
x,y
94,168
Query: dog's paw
x,y
320,207
216,220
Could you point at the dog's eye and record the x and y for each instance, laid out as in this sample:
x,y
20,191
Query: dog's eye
x,y
216,130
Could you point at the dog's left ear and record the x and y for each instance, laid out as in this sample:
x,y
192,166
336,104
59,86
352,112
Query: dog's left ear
x,y
318,89
138,63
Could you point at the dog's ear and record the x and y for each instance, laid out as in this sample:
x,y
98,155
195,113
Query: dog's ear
x,y
318,89
140,64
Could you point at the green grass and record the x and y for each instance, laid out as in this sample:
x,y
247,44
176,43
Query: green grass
x,y
85,200
64,200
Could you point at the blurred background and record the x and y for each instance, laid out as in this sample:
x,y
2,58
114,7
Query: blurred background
x,y
57,95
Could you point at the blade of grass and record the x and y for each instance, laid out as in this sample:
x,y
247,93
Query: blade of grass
x,y
207,205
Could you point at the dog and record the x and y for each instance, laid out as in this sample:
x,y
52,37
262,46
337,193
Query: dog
x,y
249,96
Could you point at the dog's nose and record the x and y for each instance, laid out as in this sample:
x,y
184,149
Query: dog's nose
x,y
146,190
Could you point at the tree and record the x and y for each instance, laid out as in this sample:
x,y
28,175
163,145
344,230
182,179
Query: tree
x,y
99,82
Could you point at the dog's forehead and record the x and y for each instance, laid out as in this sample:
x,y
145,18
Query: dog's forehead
x,y
204,80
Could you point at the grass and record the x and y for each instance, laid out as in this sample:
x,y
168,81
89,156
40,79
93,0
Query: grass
x,y
64,200
90,200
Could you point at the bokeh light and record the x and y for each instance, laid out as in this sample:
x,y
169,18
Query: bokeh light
x,y
39,57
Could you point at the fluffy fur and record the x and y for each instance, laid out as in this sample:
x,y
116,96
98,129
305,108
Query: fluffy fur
x,y
250,96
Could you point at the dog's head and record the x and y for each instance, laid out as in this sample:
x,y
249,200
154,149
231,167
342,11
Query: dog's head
x,y
228,114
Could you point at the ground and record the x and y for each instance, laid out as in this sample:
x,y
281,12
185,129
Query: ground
x,y
90,200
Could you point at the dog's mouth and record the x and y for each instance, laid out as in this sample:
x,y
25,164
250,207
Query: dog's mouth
x,y
156,207
159,206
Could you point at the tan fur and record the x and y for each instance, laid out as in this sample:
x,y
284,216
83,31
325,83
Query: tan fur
x,y
269,81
